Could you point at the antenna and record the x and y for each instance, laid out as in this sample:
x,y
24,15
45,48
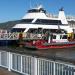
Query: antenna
x,y
30,3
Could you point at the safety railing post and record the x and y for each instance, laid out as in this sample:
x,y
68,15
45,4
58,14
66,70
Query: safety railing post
x,y
74,69
35,66
9,61
0,58
21,64
54,69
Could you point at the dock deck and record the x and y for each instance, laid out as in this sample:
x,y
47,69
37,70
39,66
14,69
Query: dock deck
x,y
6,72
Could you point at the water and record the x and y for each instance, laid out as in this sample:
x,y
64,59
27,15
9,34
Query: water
x,y
67,54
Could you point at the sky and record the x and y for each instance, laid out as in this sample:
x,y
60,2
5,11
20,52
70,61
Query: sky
x,y
15,9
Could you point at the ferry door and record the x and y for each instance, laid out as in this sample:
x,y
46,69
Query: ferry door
x,y
40,32
58,38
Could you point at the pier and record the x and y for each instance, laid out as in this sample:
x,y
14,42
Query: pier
x,y
6,72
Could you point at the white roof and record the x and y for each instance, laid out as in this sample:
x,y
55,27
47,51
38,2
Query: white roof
x,y
38,16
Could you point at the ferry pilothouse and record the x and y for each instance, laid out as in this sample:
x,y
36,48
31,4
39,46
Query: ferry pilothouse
x,y
42,31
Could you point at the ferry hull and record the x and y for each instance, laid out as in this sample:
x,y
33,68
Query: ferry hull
x,y
41,45
56,47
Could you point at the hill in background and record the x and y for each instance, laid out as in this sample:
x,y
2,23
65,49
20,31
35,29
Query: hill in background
x,y
8,25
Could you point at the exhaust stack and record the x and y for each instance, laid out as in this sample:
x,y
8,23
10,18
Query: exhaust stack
x,y
62,16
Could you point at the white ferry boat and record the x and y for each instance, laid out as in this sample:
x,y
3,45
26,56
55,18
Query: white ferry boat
x,y
38,27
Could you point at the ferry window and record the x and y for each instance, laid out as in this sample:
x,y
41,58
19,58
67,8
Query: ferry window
x,y
37,10
33,10
54,36
51,22
31,30
26,20
64,37
17,30
40,30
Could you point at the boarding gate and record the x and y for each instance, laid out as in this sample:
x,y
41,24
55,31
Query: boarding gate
x,y
28,65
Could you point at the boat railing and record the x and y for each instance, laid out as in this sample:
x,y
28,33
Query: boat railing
x,y
16,36
9,36
33,36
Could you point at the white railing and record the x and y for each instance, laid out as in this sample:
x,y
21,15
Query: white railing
x,y
15,36
9,36
29,65
33,36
